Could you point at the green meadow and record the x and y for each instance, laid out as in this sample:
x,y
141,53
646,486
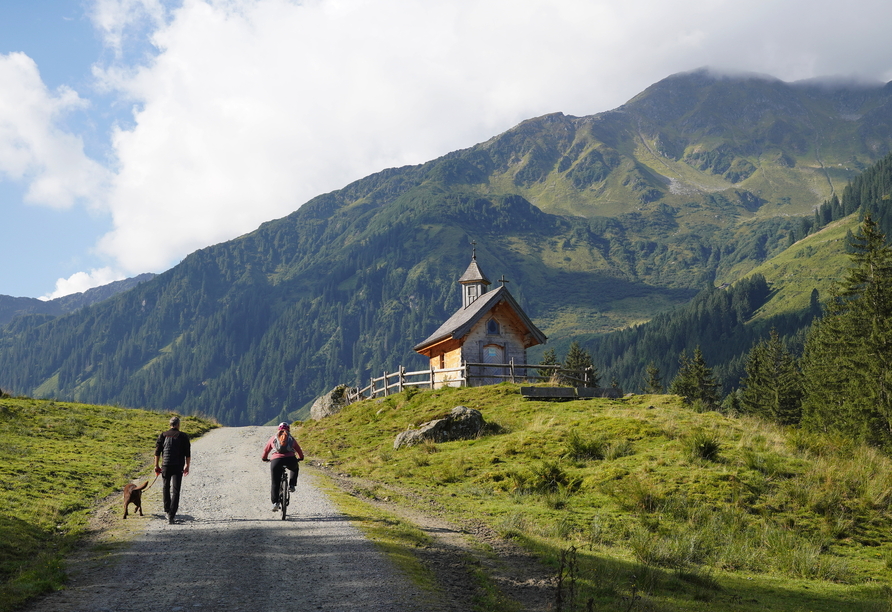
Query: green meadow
x,y
641,503
58,460
636,504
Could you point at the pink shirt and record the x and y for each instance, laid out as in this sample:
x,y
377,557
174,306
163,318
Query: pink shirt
x,y
268,451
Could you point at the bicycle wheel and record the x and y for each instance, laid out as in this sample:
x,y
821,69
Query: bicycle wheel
x,y
284,494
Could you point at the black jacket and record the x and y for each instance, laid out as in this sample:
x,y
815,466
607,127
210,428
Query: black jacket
x,y
173,446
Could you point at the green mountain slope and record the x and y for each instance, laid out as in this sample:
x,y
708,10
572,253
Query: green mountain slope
x,y
572,210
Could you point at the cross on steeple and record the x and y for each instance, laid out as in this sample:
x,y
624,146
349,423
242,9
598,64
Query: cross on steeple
x,y
503,280
473,250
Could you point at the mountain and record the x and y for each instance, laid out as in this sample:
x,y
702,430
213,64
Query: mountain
x,y
11,307
599,223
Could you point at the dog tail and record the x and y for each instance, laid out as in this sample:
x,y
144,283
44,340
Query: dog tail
x,y
142,486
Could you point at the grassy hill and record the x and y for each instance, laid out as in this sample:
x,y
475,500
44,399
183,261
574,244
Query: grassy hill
x,y
57,460
649,500
815,262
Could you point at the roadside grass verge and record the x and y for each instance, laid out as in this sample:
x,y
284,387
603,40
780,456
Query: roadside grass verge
x,y
401,541
691,511
57,461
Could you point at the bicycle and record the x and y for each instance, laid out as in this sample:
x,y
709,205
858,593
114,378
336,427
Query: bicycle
x,y
284,493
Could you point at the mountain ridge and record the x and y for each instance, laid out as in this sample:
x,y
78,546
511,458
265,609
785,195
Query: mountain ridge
x,y
256,327
11,307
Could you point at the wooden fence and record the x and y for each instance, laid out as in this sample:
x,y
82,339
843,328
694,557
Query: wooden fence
x,y
467,375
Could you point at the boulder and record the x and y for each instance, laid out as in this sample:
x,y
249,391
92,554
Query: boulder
x,y
463,423
330,403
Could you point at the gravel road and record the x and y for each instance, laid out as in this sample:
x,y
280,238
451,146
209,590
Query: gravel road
x,y
229,551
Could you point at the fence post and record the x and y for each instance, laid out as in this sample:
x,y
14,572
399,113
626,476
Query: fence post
x,y
512,368
432,376
466,374
385,383
400,380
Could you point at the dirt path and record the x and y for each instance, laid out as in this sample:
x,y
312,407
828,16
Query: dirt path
x,y
229,551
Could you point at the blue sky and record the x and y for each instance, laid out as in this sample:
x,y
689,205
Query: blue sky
x,y
133,132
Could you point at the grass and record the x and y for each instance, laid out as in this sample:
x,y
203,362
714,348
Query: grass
x,y
79,453
692,511
815,262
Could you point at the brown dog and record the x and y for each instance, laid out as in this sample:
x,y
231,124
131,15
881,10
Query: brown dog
x,y
133,495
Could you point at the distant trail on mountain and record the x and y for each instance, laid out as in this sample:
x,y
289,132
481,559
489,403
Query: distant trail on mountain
x,y
230,552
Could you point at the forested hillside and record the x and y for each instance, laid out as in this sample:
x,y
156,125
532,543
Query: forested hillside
x,y
723,321
598,223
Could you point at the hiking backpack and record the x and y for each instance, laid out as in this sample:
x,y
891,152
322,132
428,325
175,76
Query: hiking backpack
x,y
283,443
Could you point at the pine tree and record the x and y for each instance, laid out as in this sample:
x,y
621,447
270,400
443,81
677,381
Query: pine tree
x,y
695,380
773,385
654,382
578,366
847,363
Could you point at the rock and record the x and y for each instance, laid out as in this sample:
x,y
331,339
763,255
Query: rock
x,y
330,403
463,423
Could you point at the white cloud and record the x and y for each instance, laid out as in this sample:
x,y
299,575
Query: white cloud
x,y
33,147
81,281
248,108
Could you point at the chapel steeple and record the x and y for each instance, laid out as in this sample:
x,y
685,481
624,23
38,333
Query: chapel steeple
x,y
473,281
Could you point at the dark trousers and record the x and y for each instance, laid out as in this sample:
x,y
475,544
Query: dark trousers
x,y
172,482
276,466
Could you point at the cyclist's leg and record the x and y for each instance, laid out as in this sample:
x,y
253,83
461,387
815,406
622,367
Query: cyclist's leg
x,y
276,467
293,468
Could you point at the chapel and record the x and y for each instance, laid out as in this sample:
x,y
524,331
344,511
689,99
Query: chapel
x,y
489,328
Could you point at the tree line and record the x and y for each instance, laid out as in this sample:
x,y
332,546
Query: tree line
x,y
840,383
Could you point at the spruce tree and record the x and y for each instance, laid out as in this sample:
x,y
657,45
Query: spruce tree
x,y
772,385
847,362
578,366
549,357
695,380
654,382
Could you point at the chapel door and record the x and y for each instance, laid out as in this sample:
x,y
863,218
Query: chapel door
x,y
493,353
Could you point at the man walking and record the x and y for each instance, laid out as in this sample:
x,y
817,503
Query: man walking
x,y
173,445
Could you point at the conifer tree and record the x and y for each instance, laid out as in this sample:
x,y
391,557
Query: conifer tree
x,y
695,380
549,357
578,365
654,382
847,363
772,385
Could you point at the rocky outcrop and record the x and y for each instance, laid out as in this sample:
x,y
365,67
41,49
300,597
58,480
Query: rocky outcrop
x,y
330,403
463,423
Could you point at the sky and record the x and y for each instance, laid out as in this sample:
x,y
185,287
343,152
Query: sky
x,y
134,132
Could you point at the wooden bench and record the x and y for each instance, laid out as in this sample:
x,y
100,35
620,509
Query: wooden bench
x,y
567,393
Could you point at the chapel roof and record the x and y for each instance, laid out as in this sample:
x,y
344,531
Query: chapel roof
x,y
464,319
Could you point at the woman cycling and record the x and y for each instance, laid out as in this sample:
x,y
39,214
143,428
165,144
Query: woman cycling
x,y
282,451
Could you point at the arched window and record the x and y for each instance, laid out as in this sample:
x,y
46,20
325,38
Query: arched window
x,y
492,328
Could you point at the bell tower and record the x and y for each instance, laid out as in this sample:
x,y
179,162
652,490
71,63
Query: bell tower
x,y
473,282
